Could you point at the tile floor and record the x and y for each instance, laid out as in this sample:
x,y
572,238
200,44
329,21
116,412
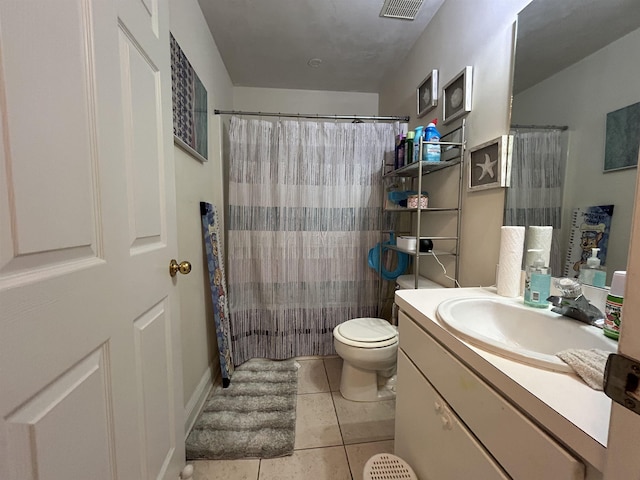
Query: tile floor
x,y
334,436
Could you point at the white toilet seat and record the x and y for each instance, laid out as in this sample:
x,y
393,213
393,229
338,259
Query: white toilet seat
x,y
366,333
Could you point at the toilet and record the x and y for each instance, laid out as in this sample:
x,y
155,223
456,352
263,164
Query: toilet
x,y
368,348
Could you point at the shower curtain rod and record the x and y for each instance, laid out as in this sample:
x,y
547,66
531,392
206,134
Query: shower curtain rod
x,y
541,127
314,116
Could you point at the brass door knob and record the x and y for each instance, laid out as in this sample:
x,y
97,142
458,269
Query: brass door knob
x,y
175,267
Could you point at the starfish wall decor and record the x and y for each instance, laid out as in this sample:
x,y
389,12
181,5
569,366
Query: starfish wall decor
x,y
490,164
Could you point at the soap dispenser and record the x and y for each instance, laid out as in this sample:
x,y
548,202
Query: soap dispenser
x,y
538,282
592,273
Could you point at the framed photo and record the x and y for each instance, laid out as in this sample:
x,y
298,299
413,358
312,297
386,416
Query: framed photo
x,y
623,138
427,93
490,164
456,96
190,131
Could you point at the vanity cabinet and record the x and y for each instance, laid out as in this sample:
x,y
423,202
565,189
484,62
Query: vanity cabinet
x,y
434,440
450,424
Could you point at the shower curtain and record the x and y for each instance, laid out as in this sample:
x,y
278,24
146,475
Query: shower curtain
x,y
537,181
304,209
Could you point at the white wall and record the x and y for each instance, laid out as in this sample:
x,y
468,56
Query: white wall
x,y
580,97
478,33
304,101
195,182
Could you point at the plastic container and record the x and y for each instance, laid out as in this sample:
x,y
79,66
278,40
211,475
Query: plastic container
x,y
431,152
407,243
538,282
412,201
592,273
613,306
418,132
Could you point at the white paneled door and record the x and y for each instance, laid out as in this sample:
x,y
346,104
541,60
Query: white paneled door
x,y
623,461
90,372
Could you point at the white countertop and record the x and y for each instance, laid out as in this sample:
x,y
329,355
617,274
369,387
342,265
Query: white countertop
x,y
561,403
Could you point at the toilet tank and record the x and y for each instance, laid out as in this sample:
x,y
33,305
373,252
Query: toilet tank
x,y
407,282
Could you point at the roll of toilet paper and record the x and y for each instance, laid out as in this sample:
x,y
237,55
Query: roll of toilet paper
x,y
538,238
510,261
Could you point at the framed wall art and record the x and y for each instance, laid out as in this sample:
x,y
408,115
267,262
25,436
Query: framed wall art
x,y
218,286
490,164
189,96
427,94
456,96
623,138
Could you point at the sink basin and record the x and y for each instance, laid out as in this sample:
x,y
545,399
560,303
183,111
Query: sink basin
x,y
513,330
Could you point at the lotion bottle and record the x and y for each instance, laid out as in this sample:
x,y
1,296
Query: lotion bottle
x,y
592,273
538,282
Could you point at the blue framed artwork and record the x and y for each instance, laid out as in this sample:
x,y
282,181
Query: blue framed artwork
x,y
623,138
218,286
189,105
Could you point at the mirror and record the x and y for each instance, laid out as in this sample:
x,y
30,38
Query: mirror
x,y
575,62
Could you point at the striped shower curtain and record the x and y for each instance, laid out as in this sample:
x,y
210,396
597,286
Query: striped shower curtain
x,y
304,210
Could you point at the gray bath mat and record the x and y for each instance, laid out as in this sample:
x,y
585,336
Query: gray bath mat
x,y
254,417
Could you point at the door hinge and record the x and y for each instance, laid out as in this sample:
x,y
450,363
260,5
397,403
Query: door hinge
x,y
622,381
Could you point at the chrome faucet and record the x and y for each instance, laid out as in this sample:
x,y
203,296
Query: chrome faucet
x,y
578,308
574,304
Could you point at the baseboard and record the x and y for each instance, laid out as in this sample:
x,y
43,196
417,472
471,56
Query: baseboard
x,y
315,357
196,402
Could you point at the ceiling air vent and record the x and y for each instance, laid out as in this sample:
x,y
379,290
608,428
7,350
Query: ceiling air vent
x,y
405,9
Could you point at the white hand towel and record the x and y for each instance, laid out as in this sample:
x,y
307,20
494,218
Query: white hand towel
x,y
588,364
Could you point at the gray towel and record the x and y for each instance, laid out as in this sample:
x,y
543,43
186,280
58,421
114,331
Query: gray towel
x,y
588,364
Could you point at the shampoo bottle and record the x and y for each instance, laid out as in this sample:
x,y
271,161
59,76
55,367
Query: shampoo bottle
x,y
431,152
401,148
399,153
417,140
538,282
408,148
592,273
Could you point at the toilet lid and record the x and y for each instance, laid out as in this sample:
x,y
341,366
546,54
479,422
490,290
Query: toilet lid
x,y
367,330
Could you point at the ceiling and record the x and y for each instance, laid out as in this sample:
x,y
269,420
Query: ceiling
x,y
554,34
268,43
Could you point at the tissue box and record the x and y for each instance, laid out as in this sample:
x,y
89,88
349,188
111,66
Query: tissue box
x,y
412,201
407,243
